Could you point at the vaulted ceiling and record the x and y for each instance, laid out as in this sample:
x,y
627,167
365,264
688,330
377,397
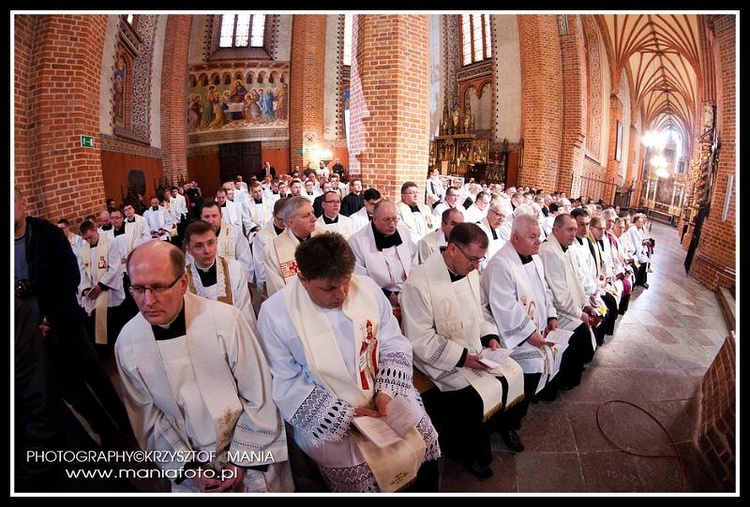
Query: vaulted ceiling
x,y
662,55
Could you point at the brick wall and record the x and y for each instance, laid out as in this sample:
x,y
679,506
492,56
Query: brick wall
x,y
57,101
390,101
541,103
714,263
173,98
306,88
716,438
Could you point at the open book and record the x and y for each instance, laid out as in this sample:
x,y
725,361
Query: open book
x,y
559,335
494,358
403,415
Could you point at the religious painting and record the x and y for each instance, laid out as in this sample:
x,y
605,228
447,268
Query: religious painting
x,y
618,142
464,150
480,151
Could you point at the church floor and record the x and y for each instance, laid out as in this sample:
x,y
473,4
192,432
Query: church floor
x,y
649,371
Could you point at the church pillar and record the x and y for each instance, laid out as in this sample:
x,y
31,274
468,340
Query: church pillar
x,y
57,102
306,89
542,104
174,98
390,111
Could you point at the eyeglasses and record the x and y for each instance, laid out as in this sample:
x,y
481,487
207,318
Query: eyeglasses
x,y
335,201
156,290
496,213
393,220
472,260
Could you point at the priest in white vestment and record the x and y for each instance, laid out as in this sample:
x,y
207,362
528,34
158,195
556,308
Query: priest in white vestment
x,y
137,231
451,333
331,219
517,294
196,384
259,246
232,244
385,251
493,225
278,255
339,354
417,217
214,277
439,238
364,215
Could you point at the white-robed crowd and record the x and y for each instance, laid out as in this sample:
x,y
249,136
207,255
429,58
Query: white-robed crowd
x,y
397,298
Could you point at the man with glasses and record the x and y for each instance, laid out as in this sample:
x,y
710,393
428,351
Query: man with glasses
x,y
444,320
196,383
331,219
452,195
385,251
416,216
217,278
493,225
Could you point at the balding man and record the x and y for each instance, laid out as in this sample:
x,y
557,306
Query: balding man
x,y
385,250
196,383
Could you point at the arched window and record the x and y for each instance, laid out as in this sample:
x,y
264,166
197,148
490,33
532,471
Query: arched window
x,y
475,38
242,30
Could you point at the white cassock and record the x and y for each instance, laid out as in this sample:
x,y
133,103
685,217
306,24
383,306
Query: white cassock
x,y
434,190
437,211
231,287
360,219
496,241
561,273
137,232
231,213
278,259
101,263
521,302
331,361
208,390
418,222
474,215
260,214
260,243
635,236
442,319
343,225
430,243
159,220
388,267
585,265
232,244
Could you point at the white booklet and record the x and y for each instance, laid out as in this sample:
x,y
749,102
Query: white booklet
x,y
559,335
403,415
494,358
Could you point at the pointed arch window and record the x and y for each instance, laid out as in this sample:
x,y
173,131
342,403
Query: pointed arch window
x,y
475,38
242,30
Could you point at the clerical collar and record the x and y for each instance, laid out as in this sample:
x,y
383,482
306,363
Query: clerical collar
x,y
131,220
174,329
275,192
311,193
94,245
330,220
278,230
414,208
207,275
155,208
302,239
382,241
119,231
525,259
106,227
454,276
494,234
580,240
259,201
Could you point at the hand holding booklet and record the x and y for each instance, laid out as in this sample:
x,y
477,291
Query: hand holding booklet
x,y
559,335
494,358
402,415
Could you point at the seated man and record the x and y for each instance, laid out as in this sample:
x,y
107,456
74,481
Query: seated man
x,y
340,354
196,384
443,318
439,237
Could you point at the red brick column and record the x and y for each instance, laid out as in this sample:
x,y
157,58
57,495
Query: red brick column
x,y
390,101
306,89
542,104
714,262
174,98
57,101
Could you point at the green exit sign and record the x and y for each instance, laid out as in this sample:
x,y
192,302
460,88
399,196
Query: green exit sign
x,y
298,151
87,141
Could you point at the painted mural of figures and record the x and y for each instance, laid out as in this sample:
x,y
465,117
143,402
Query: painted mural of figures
x,y
252,108
281,102
237,96
118,96
220,104
194,111
208,106
266,104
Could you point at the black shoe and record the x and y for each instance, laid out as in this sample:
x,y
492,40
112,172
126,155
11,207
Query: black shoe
x,y
546,394
511,440
644,285
481,471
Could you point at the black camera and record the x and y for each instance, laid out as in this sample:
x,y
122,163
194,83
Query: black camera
x,y
23,289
